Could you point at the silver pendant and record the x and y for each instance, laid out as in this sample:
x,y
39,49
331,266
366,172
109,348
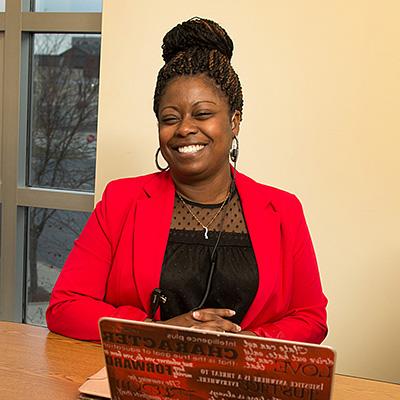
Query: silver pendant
x,y
206,232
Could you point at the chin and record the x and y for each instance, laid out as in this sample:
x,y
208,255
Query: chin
x,y
192,172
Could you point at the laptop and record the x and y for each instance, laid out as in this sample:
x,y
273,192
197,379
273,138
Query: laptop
x,y
159,362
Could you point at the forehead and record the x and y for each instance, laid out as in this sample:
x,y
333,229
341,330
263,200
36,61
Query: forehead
x,y
191,89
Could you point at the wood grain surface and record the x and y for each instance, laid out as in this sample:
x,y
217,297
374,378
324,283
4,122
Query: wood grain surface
x,y
38,365
350,388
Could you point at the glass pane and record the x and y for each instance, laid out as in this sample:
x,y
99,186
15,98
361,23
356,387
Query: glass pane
x,y
64,98
2,5
50,238
68,5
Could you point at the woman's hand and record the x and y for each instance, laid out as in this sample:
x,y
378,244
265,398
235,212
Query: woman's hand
x,y
248,333
212,319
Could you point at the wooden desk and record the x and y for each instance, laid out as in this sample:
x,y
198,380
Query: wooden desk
x,y
37,365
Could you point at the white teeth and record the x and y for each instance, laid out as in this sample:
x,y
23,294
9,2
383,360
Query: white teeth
x,y
194,148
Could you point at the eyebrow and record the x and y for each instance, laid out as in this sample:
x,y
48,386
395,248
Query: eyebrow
x,y
193,105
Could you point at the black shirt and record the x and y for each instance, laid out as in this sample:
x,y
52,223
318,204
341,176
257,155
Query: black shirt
x,y
187,260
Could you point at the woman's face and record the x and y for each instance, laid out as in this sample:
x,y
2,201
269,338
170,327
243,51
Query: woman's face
x,y
196,128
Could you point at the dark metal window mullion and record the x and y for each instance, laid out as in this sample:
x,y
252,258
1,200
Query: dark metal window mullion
x,y
12,271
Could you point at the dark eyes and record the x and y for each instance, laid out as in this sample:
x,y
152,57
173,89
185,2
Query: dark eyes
x,y
200,115
203,115
169,120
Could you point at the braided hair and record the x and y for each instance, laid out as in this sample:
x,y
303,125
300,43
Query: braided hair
x,y
199,46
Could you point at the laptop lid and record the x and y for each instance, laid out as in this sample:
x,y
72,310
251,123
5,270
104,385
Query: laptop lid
x,y
159,362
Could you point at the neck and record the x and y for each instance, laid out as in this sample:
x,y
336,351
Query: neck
x,y
207,191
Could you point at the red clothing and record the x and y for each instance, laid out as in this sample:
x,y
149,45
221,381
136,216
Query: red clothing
x,y
116,262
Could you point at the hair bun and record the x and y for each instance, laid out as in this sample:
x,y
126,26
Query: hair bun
x,y
196,33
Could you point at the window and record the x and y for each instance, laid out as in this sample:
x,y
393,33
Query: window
x,y
48,106
51,234
1,119
68,6
64,92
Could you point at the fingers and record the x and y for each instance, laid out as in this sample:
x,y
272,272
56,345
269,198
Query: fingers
x,y
209,314
206,327
185,320
214,319
218,326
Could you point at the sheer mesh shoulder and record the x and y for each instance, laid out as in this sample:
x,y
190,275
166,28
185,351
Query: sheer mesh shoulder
x,y
229,218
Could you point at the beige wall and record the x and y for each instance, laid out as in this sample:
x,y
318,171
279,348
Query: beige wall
x,y
321,82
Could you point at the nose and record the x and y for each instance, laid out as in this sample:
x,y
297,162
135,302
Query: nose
x,y
186,127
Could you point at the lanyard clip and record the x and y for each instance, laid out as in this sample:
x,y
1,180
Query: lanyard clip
x,y
156,297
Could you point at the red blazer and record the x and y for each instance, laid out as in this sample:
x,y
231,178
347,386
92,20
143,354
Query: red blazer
x,y
116,262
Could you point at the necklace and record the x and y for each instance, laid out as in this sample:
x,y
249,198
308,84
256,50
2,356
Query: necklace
x,y
205,227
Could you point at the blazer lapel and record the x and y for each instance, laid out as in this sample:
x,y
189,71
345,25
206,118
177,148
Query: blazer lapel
x,y
151,230
263,224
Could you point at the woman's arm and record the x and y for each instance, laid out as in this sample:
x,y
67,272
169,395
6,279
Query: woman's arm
x,y
305,318
77,301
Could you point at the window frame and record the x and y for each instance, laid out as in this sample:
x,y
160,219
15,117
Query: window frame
x,y
17,25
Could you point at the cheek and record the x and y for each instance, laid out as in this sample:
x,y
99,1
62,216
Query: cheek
x,y
163,136
224,134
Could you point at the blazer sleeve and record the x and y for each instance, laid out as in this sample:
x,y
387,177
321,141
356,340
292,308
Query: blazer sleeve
x,y
305,317
77,301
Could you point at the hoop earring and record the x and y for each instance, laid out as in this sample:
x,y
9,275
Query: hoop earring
x,y
159,167
234,153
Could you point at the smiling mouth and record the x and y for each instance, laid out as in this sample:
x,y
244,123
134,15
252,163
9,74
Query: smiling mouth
x,y
193,148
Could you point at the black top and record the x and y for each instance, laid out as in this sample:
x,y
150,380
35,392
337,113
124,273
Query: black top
x,y
187,260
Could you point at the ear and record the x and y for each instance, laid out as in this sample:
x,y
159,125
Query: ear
x,y
235,122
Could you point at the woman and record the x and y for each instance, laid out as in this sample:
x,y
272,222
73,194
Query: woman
x,y
215,249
